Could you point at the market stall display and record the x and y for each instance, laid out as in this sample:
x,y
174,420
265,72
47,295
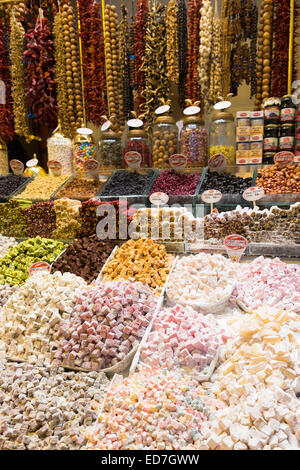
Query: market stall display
x,y
225,182
176,184
280,179
125,183
40,219
67,224
41,188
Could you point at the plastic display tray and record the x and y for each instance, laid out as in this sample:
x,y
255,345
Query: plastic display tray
x,y
19,193
7,197
56,194
284,199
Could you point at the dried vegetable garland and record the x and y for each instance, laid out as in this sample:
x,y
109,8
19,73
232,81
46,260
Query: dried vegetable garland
x,y
154,63
39,74
206,22
240,66
215,83
280,57
253,43
124,61
264,52
138,50
172,41
6,106
231,34
93,59
192,87
20,107
182,50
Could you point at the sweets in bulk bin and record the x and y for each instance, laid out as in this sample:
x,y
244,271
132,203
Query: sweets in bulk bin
x,y
10,183
40,219
89,219
182,337
6,291
13,220
42,187
80,188
142,260
47,409
60,149
154,409
67,219
126,183
6,243
107,323
84,257
170,182
31,318
225,182
280,179
15,264
201,279
268,282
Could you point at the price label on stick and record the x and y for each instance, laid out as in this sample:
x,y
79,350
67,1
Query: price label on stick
x,y
133,160
178,162
210,196
17,167
217,162
54,167
284,158
39,266
253,194
159,199
235,246
92,168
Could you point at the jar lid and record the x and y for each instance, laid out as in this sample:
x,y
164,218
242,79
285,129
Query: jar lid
x,y
109,134
287,124
193,120
271,101
83,135
271,126
137,133
222,114
167,119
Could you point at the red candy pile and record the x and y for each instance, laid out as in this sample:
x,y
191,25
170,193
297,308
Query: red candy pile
x,y
174,183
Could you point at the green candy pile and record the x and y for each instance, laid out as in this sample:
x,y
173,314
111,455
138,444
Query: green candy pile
x,y
15,264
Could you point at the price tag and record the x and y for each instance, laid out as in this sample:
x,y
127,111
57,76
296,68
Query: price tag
x,y
39,266
253,194
284,158
217,162
211,195
178,162
17,167
54,167
235,246
133,160
159,199
92,168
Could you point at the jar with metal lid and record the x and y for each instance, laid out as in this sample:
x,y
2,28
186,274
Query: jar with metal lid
x,y
4,169
268,158
83,149
194,141
222,134
110,150
60,149
271,134
287,109
287,136
165,140
272,110
137,141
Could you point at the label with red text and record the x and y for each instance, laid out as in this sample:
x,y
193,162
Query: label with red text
x,y
178,162
284,158
133,160
159,199
17,167
235,246
253,194
211,195
39,266
55,167
92,168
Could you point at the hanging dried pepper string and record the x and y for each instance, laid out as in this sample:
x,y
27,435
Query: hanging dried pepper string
x,y
193,89
139,50
6,109
172,41
182,50
93,60
280,59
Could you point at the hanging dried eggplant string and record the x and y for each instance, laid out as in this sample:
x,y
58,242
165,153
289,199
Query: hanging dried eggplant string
x,y
124,61
215,84
240,66
264,52
172,41
253,42
93,60
205,32
154,63
226,49
20,106
6,105
280,57
61,76
182,50
245,13
192,86
139,50
296,42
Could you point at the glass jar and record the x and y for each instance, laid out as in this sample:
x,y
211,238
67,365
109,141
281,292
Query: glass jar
x,y
137,142
194,141
272,110
110,150
222,135
165,141
60,149
83,149
288,109
4,170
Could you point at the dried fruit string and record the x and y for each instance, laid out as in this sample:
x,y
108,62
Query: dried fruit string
x,y
124,61
280,48
6,106
206,22
172,41
182,50
215,83
253,43
194,13
139,50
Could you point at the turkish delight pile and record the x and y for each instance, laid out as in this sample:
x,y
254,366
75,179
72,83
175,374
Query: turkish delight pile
x,y
182,337
269,282
107,323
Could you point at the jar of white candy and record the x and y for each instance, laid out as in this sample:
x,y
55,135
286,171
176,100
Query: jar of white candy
x,y
60,149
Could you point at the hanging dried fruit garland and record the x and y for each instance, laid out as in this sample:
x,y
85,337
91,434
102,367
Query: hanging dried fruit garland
x,y
93,60
172,41
139,49
253,43
193,89
40,73
6,106
124,60
280,58
215,77
296,42
206,22
182,48
154,63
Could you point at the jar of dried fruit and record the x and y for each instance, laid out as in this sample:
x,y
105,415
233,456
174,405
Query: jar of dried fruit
x,y
194,140
137,141
110,150
222,134
165,140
